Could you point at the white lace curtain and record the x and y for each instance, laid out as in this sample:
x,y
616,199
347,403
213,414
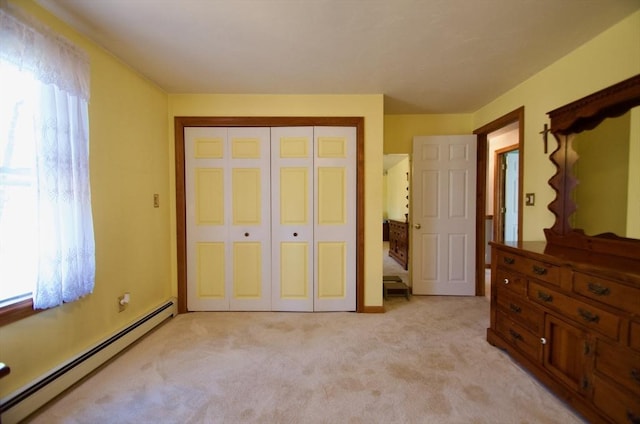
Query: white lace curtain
x,y
64,224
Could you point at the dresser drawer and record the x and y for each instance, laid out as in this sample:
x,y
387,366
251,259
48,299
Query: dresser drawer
x,y
620,405
595,318
506,280
606,291
521,338
521,311
619,364
530,267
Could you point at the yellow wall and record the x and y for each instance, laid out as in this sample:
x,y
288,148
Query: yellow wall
x,y
129,163
368,106
607,59
399,130
397,192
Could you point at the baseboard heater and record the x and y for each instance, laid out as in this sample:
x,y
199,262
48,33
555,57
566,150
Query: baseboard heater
x,y
28,399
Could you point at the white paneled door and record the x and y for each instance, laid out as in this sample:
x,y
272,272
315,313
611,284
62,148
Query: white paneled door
x,y
443,215
335,221
227,174
512,162
271,218
292,218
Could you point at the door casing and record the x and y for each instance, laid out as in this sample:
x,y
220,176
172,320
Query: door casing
x,y
481,186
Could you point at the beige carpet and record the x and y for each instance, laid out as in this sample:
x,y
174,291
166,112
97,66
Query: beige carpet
x,y
423,361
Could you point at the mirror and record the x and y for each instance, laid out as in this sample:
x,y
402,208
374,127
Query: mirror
x,y
573,127
607,194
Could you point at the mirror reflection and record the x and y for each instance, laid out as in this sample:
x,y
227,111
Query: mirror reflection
x,y
608,171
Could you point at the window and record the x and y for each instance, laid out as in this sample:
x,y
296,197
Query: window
x,y
46,228
18,260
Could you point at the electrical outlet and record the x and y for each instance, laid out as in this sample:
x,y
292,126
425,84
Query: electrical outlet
x,y
121,305
156,200
123,301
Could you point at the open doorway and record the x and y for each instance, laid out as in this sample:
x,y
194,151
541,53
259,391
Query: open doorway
x,y
395,217
505,134
505,194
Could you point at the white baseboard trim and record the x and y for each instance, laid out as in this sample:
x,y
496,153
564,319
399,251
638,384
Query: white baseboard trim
x,y
25,401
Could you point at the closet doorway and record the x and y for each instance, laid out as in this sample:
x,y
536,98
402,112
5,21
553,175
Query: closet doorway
x,y
181,123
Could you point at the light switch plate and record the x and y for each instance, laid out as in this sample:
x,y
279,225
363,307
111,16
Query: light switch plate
x,y
530,199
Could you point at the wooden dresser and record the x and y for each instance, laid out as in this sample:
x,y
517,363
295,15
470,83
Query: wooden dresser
x,y
573,320
399,242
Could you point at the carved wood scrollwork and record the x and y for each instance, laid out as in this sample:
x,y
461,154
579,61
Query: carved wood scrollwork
x,y
566,122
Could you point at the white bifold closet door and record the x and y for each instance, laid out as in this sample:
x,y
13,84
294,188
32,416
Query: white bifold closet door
x,y
228,218
271,218
292,219
335,221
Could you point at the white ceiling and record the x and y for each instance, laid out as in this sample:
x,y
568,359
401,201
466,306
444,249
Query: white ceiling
x,y
425,56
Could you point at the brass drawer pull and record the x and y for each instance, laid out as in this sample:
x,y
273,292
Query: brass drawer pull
x,y
598,289
538,270
545,296
635,375
509,261
515,308
588,316
515,335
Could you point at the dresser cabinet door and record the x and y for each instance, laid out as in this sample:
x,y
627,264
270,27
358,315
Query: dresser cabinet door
x,y
566,353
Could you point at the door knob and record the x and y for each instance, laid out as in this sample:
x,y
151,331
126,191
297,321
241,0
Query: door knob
x,y
417,226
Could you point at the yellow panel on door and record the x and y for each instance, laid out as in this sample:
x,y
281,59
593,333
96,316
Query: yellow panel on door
x,y
209,148
245,148
332,147
294,266
294,196
294,147
210,269
332,189
247,199
332,257
247,269
209,193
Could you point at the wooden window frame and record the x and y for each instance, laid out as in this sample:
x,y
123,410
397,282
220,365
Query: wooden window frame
x,y
17,311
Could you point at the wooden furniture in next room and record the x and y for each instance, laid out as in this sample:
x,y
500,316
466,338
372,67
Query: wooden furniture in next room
x,y
399,242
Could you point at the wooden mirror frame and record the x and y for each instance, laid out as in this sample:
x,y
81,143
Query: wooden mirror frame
x,y
566,121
